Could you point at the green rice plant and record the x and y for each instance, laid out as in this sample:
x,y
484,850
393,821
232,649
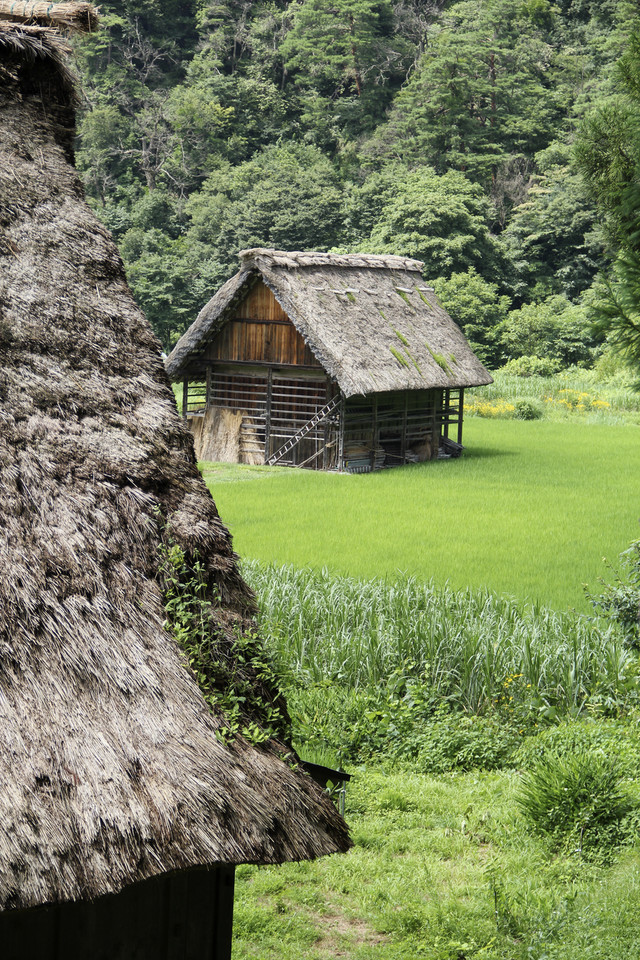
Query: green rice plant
x,y
529,510
578,800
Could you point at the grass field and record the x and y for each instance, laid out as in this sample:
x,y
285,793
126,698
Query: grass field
x,y
528,511
442,869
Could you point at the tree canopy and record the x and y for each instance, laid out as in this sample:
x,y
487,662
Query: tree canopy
x,y
437,129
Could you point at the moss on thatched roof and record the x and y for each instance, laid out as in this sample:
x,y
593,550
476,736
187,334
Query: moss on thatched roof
x,y
110,767
370,320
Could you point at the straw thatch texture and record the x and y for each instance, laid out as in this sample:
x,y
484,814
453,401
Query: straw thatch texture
x,y
110,769
73,17
370,320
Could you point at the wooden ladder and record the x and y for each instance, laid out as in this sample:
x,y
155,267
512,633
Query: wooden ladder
x,y
305,430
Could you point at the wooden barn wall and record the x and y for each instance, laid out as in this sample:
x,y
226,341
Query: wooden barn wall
x,y
186,916
260,332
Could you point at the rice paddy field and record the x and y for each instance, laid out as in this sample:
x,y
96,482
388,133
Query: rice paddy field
x,y
529,511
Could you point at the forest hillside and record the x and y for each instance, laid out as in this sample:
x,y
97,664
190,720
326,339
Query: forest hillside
x,y
444,131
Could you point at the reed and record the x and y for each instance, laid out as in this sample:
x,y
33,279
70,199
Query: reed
x,y
473,649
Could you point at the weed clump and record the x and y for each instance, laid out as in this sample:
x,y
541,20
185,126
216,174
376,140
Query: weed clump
x,y
579,801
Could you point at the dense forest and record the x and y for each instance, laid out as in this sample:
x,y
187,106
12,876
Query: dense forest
x,y
493,139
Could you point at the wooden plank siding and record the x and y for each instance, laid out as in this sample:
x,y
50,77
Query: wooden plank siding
x,y
260,332
183,916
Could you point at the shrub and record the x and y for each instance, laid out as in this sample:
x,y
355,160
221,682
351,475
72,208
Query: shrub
x,y
492,409
531,366
577,800
527,410
620,600
619,738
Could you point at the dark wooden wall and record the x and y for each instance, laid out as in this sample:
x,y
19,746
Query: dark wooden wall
x,y
260,332
185,916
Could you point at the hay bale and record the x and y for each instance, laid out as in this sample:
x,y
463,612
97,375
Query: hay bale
x,y
217,435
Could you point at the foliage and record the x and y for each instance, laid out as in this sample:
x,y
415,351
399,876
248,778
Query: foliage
x,y
529,365
490,409
577,800
474,652
608,155
620,599
619,738
429,128
554,329
287,197
440,219
527,410
477,307
235,676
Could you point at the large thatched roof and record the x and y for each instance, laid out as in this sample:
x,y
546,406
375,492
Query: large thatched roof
x,y
370,320
110,768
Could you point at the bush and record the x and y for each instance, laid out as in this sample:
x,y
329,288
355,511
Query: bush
x,y
619,738
620,600
527,410
579,801
531,366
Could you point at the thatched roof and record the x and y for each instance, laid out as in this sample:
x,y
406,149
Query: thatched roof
x,y
370,320
110,767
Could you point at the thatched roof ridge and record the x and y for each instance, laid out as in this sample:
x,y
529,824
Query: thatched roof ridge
x,y
110,767
291,259
82,17
370,320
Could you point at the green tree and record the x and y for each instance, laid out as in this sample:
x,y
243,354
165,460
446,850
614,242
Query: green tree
x,y
288,197
552,236
608,153
439,219
554,329
478,308
483,90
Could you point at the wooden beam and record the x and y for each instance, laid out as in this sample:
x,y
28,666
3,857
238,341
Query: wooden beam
x,y
403,435
460,415
207,398
267,421
185,397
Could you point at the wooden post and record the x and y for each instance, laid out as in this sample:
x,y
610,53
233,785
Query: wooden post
x,y
445,415
327,429
185,397
374,430
460,414
435,426
207,398
267,416
403,435
341,419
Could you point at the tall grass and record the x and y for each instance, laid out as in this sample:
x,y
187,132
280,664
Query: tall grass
x,y
606,400
471,648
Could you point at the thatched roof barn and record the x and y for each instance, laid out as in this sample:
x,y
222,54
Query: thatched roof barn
x,y
113,768
359,328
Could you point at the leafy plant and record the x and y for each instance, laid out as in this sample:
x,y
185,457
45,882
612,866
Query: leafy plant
x,y
235,675
577,800
620,599
527,410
